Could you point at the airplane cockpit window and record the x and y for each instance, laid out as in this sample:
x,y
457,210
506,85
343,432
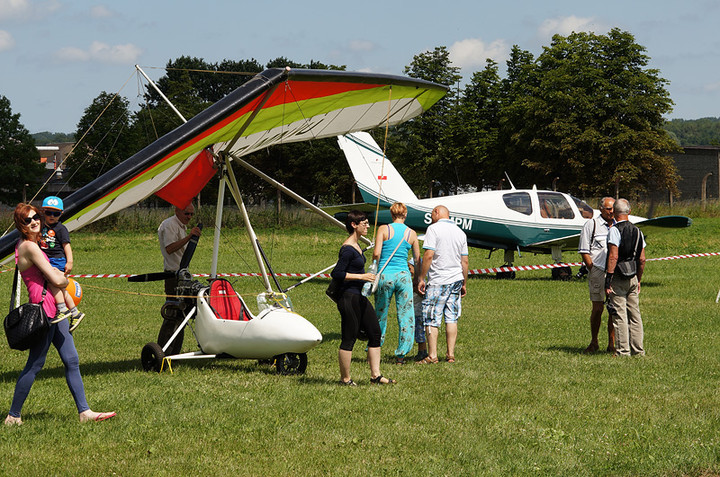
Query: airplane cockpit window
x,y
519,202
554,206
585,210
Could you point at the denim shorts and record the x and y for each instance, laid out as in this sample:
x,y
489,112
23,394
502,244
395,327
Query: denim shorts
x,y
442,301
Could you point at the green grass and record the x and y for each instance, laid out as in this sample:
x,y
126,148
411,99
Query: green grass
x,y
521,399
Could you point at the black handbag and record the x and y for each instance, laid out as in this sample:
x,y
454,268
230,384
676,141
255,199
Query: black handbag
x,y
333,290
26,324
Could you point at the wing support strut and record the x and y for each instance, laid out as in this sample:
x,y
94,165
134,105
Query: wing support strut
x,y
294,195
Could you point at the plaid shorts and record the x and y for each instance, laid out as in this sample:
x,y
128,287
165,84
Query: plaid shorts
x,y
442,301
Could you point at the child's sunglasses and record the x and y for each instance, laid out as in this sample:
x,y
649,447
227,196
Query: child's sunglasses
x,y
53,213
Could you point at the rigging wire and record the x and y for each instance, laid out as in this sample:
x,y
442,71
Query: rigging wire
x,y
242,73
75,146
141,86
382,164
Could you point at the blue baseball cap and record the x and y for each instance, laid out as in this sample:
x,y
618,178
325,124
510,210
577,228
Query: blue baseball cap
x,y
53,202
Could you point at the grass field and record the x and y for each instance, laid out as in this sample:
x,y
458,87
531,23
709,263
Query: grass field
x,y
521,400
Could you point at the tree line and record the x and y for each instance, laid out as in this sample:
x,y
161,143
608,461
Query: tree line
x,y
585,114
695,132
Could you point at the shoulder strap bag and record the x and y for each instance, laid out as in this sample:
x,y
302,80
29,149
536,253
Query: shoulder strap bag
x,y
26,324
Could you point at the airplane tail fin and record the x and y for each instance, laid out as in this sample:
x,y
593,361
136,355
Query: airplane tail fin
x,y
365,159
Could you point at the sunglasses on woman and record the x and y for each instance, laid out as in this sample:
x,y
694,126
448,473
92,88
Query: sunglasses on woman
x,y
28,220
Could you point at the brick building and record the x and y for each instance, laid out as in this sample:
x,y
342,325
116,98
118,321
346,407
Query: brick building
x,y
53,156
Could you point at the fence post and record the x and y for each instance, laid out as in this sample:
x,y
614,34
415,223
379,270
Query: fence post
x,y
703,190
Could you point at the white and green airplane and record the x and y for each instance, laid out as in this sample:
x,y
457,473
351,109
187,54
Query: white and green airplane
x,y
531,220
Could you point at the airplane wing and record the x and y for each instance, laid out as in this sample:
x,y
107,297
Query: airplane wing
x,y
276,106
567,242
646,225
665,222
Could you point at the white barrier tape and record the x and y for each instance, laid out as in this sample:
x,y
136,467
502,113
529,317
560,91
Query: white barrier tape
x,y
477,271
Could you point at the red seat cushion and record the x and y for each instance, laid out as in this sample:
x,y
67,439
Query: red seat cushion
x,y
226,303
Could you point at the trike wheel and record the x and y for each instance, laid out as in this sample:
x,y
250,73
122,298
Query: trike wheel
x,y
291,363
152,357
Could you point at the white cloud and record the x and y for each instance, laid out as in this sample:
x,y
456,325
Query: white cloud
x,y
6,40
101,11
566,25
102,52
13,9
472,52
362,45
711,87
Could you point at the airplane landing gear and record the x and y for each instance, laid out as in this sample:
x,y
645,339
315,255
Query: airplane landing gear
x,y
509,258
562,273
559,273
505,275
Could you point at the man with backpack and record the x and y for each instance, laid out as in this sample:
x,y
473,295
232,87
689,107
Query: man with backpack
x,y
626,263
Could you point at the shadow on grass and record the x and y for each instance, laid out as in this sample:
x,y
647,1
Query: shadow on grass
x,y
574,350
86,369
106,367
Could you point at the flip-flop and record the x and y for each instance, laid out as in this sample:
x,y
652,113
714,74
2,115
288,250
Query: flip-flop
x,y
104,415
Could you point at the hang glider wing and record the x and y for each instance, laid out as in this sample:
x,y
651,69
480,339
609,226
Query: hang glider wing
x,y
276,106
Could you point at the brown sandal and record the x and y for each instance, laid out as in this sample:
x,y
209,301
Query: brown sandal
x,y
450,359
428,360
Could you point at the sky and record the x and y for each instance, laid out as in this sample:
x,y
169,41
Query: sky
x,y
56,56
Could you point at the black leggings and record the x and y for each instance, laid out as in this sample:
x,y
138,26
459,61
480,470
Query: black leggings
x,y
356,311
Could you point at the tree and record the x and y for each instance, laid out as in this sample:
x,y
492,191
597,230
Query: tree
x,y
474,129
19,158
421,147
516,90
695,132
594,117
107,139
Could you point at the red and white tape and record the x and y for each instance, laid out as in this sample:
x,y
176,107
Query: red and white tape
x,y
477,271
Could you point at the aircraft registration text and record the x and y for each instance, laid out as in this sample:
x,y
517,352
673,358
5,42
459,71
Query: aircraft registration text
x,y
465,224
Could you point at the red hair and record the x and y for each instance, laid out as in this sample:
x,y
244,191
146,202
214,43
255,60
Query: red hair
x,y
21,212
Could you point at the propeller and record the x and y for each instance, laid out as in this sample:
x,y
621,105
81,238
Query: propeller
x,y
190,249
184,262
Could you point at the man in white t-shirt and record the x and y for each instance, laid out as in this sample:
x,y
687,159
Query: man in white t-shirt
x,y
173,238
445,263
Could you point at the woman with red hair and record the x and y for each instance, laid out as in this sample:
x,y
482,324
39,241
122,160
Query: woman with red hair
x,y
36,272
